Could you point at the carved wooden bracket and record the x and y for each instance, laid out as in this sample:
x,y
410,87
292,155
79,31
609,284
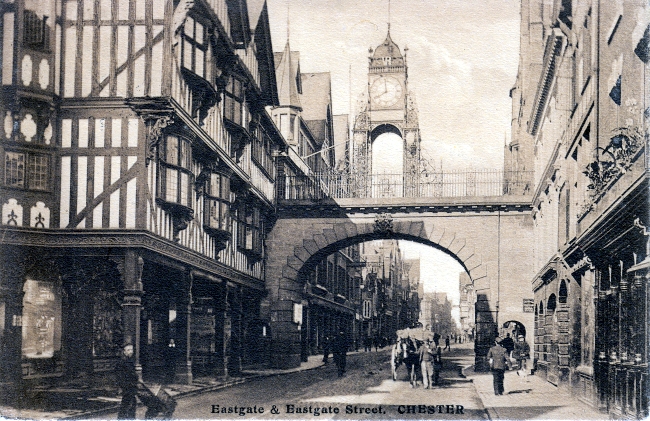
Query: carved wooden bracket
x,y
155,128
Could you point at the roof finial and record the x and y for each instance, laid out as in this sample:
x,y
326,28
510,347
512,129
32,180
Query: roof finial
x,y
389,16
288,21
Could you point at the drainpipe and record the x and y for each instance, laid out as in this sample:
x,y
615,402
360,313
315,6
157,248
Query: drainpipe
x,y
498,265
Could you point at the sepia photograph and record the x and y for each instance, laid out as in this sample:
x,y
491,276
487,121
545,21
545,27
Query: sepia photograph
x,y
342,209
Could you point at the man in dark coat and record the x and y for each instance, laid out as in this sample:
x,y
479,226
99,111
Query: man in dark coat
x,y
339,350
498,360
127,380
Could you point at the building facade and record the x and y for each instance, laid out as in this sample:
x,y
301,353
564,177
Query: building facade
x,y
580,120
137,186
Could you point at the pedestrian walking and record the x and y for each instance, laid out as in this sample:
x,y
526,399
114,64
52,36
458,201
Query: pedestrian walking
x,y
339,350
436,339
509,344
437,366
427,355
127,380
498,363
447,343
522,353
326,349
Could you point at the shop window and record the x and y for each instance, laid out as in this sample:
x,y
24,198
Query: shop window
x,y
41,319
27,170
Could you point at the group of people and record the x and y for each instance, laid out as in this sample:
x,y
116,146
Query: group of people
x,y
507,354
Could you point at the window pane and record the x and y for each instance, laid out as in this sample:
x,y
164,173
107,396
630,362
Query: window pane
x,y
185,154
199,33
171,185
200,57
185,189
187,55
215,185
189,27
171,155
38,172
15,169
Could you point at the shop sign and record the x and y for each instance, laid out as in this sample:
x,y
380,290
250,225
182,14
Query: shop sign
x,y
529,305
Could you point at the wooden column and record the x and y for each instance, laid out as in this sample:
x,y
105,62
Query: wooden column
x,y
132,303
183,317
11,292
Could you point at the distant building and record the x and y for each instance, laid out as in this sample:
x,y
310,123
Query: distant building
x,y
467,305
436,313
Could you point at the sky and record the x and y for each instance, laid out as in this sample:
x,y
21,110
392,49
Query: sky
x,y
462,62
462,58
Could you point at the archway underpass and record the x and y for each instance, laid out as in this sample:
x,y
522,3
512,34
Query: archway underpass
x,y
490,237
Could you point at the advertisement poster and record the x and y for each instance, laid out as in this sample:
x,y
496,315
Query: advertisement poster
x,y
331,209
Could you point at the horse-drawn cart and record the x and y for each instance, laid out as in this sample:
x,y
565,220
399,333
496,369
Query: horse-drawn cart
x,y
405,351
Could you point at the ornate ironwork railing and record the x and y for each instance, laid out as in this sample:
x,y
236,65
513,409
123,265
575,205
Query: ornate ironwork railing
x,y
472,183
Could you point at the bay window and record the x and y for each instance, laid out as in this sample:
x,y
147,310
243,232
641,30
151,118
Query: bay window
x,y
249,230
261,152
234,103
216,206
175,171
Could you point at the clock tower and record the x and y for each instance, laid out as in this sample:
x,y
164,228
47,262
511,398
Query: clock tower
x,y
387,107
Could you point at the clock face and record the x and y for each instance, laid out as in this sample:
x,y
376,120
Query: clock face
x,y
385,91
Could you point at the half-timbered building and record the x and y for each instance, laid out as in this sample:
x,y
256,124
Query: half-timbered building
x,y
137,183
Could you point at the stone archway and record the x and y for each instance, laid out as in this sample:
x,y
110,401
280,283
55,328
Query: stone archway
x,y
295,244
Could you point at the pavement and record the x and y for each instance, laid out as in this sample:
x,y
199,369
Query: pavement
x,y
529,399
532,398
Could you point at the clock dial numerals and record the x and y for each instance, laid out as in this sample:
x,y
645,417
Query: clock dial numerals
x,y
385,91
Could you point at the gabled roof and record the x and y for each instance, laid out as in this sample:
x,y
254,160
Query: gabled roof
x,y
255,8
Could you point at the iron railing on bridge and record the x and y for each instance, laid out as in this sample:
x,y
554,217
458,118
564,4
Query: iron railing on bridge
x,y
437,184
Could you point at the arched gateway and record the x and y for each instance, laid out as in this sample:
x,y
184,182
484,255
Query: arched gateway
x,y
480,218
489,236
